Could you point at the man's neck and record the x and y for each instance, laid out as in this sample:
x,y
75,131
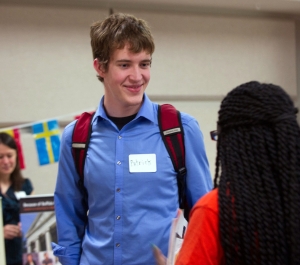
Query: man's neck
x,y
121,121
120,111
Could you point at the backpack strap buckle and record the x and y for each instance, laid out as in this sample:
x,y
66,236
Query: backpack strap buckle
x,y
182,171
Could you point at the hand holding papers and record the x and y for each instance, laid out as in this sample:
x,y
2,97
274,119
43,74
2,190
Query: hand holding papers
x,y
177,233
178,229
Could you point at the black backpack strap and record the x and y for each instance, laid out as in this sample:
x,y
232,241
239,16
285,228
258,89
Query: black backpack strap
x,y
170,125
80,142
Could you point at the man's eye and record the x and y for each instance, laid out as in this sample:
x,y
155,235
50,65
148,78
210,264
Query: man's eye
x,y
123,65
145,65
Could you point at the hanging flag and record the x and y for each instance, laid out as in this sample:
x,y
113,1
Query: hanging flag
x,y
16,135
47,139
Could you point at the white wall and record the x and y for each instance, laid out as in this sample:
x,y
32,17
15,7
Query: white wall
x,y
46,66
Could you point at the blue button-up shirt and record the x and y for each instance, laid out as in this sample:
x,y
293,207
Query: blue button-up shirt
x,y
127,212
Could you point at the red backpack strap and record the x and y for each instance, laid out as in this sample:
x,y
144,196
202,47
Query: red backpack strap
x,y
80,141
170,125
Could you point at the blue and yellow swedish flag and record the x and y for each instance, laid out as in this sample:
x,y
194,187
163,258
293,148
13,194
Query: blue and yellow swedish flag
x,y
47,139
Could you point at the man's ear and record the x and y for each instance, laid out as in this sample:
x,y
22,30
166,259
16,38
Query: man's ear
x,y
99,68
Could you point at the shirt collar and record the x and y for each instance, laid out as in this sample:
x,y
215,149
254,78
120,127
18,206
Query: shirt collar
x,y
146,110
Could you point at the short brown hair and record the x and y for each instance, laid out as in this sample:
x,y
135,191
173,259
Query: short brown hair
x,y
115,32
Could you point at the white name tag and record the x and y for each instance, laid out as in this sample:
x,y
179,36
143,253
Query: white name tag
x,y
20,194
142,163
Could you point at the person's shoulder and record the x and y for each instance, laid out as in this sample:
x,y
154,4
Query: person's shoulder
x,y
69,128
188,120
27,181
185,117
209,200
68,132
189,123
27,186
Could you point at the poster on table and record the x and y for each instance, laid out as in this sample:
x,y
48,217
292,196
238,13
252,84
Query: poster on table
x,y
39,229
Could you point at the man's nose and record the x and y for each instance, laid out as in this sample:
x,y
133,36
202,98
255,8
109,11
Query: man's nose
x,y
136,74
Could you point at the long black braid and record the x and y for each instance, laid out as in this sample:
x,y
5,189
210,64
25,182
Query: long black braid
x,y
258,176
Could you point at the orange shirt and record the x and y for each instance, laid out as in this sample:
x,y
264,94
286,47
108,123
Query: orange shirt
x,y
201,245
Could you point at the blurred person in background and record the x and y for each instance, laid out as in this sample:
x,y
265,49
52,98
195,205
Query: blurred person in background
x,y
12,186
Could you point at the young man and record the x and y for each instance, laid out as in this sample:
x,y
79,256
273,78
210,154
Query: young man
x,y
128,209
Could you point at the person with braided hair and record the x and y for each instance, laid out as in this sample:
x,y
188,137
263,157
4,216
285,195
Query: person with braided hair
x,y
252,216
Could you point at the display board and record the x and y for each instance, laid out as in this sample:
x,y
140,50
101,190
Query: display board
x,y
38,228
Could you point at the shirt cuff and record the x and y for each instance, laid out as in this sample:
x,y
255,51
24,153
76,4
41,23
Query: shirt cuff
x,y
66,256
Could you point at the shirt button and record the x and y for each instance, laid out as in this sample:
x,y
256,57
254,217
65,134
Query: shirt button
x,y
117,245
118,189
118,217
119,162
120,137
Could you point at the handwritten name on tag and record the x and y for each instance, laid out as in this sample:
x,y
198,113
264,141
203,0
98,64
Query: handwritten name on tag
x,y
142,163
